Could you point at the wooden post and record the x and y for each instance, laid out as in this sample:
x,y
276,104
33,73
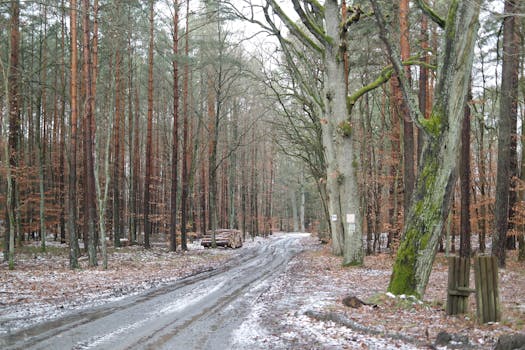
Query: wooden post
x,y
487,293
458,285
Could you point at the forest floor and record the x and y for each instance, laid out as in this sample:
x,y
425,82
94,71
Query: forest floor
x,y
302,309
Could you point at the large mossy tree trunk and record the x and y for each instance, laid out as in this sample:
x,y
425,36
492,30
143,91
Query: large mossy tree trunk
x,y
343,198
324,33
432,196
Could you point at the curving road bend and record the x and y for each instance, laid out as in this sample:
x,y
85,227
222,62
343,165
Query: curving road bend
x,y
199,312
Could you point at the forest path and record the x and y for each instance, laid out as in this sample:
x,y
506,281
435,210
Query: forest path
x,y
199,312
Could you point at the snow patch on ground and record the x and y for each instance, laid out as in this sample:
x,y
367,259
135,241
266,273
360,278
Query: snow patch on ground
x,y
43,288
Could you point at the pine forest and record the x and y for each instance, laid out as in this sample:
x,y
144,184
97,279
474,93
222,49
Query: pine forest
x,y
357,151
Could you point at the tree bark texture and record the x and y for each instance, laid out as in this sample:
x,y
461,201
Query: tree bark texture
x,y
343,201
117,234
14,125
175,138
432,197
186,154
72,185
508,114
464,178
149,145
408,125
89,177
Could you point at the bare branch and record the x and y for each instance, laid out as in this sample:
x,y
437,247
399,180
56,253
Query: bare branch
x,y
427,10
292,27
395,58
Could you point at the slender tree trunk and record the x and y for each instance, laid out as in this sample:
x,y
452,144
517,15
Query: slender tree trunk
x,y
41,134
117,212
302,206
423,82
88,123
213,129
12,149
513,162
508,114
254,222
175,145
521,235
62,113
269,196
186,154
521,231
408,128
149,165
232,173
134,200
295,216
102,202
464,177
72,187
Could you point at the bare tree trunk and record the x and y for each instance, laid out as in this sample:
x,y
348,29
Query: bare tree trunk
x,y
508,112
14,125
149,165
88,124
254,222
293,203
72,188
344,205
186,154
423,82
62,113
521,233
269,196
302,203
132,227
464,177
117,214
102,201
134,200
232,173
175,145
408,128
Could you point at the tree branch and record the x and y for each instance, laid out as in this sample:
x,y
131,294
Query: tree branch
x,y
317,31
397,64
292,26
383,77
427,10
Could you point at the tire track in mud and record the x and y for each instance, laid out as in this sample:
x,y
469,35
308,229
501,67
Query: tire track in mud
x,y
197,312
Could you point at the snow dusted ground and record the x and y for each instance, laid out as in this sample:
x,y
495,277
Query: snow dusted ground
x,y
315,283
285,312
42,287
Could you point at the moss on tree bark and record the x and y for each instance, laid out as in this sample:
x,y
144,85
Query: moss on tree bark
x,y
432,196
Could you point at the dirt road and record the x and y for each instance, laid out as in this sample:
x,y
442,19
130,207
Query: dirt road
x,y
199,312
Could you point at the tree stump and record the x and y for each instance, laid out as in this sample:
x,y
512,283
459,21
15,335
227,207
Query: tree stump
x,y
458,285
487,293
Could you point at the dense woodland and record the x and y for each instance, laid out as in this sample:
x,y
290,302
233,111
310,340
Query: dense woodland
x,y
372,123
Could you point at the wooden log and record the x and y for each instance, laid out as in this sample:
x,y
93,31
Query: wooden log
x,y
451,286
487,294
495,286
479,298
458,285
462,300
490,290
484,291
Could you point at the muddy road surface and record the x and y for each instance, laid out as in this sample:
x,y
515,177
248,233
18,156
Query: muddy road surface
x,y
198,312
